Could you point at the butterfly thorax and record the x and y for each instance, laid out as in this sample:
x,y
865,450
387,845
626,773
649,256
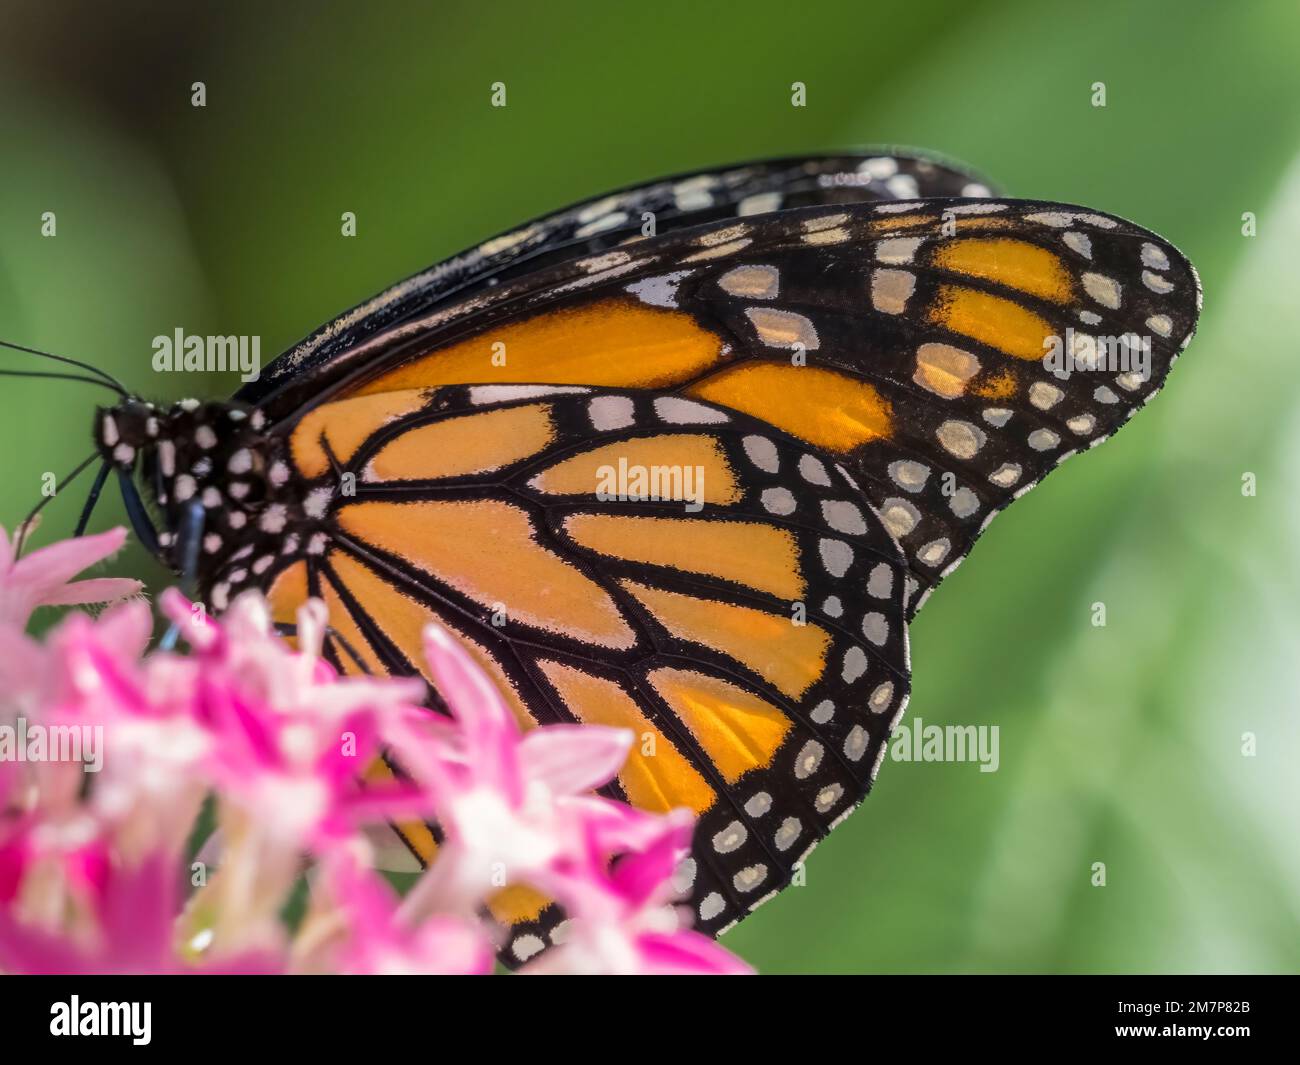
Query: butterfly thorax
x,y
208,458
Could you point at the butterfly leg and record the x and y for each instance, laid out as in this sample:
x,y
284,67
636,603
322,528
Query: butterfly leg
x,y
139,517
189,538
93,498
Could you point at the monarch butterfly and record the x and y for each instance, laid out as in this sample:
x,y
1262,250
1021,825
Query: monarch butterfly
x,y
845,358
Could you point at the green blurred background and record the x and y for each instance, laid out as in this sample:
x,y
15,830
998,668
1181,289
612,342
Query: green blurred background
x,y
1120,744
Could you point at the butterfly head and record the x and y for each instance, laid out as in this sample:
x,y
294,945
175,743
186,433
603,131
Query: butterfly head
x,y
202,464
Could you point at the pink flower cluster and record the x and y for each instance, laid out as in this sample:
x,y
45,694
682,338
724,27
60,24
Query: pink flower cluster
x,y
110,752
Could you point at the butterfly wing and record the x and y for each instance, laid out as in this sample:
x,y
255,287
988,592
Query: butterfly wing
x,y
624,558
895,345
907,339
601,223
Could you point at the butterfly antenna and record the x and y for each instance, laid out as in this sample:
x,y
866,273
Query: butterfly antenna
x,y
103,375
63,377
28,524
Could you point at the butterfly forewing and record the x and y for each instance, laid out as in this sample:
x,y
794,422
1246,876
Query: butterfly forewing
x,y
947,353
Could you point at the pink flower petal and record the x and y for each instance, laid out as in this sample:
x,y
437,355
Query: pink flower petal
x,y
688,954
45,569
284,742
97,590
21,660
488,726
571,759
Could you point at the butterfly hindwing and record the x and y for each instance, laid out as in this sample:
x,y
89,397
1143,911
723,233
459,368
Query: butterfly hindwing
x,y
634,559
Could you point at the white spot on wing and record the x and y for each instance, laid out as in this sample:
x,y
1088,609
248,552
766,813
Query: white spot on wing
x,y
1160,324
891,289
897,251
836,556
1154,257
762,453
813,471
1156,283
782,329
658,291
600,225
843,516
754,282
481,394
909,474
1105,290
611,412
678,411
718,252
778,501
759,203
960,439
1079,242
